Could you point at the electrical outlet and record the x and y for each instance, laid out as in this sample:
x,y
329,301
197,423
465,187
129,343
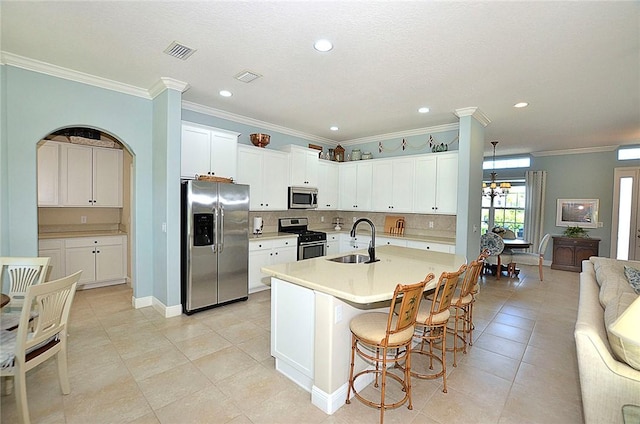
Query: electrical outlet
x,y
83,219
322,219
354,219
430,224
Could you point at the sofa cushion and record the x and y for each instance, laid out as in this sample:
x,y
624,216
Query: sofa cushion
x,y
633,276
625,352
611,279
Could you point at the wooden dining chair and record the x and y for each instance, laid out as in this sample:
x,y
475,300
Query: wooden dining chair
x,y
385,339
21,273
536,258
46,337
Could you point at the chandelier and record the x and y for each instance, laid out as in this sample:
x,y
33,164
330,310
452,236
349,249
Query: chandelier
x,y
494,189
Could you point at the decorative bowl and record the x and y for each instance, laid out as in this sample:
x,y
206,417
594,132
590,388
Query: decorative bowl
x,y
260,140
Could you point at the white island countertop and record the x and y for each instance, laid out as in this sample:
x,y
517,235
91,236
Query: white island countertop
x,y
367,283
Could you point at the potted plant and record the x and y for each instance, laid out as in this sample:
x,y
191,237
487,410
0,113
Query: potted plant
x,y
575,232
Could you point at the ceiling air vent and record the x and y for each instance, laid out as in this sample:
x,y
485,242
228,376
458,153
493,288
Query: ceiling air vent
x,y
176,49
247,76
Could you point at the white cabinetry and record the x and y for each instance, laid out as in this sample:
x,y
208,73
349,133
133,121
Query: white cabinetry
x,y
48,173
393,180
54,249
384,241
303,166
427,245
327,185
90,176
348,243
267,174
208,151
101,259
355,186
333,244
437,184
269,252
293,331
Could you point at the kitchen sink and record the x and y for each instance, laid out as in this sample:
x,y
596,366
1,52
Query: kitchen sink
x,y
352,258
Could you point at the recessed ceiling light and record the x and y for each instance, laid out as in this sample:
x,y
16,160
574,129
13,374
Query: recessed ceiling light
x,y
423,110
521,104
323,45
225,93
334,128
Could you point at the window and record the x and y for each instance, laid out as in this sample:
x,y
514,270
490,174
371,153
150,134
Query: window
x,y
506,211
519,162
629,154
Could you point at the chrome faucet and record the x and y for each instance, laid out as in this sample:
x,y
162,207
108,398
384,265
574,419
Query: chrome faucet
x,y
372,243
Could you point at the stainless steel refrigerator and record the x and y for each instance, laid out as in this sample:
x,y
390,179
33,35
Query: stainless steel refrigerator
x,y
215,244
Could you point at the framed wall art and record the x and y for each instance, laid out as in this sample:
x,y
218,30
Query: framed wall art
x,y
577,213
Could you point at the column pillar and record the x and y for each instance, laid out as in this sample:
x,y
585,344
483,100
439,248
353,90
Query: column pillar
x,y
470,156
167,129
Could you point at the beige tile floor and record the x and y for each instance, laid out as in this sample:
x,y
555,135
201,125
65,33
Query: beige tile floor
x,y
134,366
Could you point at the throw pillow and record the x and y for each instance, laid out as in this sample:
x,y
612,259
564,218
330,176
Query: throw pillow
x,y
633,276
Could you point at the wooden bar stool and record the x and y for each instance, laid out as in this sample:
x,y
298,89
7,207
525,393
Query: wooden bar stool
x,y
431,325
385,338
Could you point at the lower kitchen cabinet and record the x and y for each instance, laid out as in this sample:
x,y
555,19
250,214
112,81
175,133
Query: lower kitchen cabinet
x,y
348,243
383,241
53,249
333,244
436,247
102,260
269,252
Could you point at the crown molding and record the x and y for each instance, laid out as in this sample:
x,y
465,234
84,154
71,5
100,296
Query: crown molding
x,y
401,134
578,151
253,122
71,75
474,112
165,83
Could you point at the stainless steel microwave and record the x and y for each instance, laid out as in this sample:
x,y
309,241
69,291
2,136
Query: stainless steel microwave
x,y
303,198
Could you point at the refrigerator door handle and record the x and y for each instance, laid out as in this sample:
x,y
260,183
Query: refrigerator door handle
x,y
221,228
215,230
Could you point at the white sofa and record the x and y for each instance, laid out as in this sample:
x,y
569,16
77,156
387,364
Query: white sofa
x,y
606,382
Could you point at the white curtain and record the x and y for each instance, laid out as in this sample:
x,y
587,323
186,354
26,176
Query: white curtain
x,y
535,182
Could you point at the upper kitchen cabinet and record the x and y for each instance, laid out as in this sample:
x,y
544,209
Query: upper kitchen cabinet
x,y
267,174
355,186
48,173
87,176
436,189
393,180
327,185
303,166
208,151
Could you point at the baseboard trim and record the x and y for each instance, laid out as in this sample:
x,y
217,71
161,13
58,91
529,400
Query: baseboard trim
x,y
166,311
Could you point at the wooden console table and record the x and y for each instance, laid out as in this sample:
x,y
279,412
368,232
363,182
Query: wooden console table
x,y
569,252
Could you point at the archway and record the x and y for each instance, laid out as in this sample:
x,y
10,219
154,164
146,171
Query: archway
x,y
85,194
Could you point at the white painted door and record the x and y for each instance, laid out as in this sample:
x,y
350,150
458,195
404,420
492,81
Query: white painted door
x,y
224,151
447,184
81,258
625,233
327,185
107,178
48,174
77,175
195,151
109,262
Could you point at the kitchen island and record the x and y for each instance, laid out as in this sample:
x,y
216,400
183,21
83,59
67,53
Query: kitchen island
x,y
313,301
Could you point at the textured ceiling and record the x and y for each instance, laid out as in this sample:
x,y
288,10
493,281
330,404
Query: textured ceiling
x,y
576,63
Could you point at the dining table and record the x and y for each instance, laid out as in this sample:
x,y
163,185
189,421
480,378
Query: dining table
x,y
510,244
4,299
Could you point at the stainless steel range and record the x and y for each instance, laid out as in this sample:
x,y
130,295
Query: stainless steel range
x,y
311,244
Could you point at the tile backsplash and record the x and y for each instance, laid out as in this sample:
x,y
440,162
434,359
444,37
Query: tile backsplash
x,y
415,224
